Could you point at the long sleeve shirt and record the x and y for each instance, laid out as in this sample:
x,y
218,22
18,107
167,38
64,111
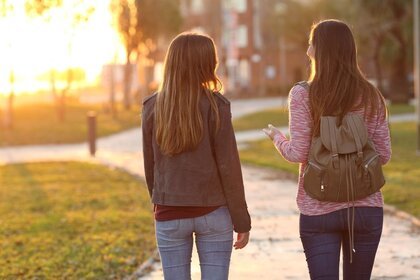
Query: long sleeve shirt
x,y
296,149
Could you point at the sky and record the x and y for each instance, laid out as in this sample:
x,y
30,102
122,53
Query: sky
x,y
32,46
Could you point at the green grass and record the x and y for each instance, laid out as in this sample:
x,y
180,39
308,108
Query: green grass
x,y
402,173
279,117
72,221
395,109
259,120
39,124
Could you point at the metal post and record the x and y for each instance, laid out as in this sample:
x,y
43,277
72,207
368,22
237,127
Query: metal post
x,y
416,15
91,120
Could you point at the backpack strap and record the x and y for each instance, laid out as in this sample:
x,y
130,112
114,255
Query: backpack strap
x,y
303,84
356,139
332,127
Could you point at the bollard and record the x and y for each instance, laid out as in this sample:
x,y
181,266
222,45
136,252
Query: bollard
x,y
91,120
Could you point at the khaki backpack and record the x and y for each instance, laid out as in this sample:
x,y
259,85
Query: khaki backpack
x,y
343,165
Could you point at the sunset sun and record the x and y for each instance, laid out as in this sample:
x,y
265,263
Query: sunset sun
x,y
33,46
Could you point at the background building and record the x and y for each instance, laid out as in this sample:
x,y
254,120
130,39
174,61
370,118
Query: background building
x,y
252,62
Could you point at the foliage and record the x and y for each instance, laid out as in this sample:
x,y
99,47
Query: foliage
x,y
383,31
39,7
35,124
141,23
74,13
72,221
293,19
167,11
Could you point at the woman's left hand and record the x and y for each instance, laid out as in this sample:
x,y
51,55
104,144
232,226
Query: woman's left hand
x,y
241,240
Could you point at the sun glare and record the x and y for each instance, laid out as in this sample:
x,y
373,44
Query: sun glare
x,y
31,47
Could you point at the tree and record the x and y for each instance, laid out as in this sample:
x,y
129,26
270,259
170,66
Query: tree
x,y
6,11
398,82
388,27
381,28
140,24
76,14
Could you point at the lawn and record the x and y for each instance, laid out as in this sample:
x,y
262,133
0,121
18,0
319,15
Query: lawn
x,y
72,221
280,116
259,120
395,109
402,173
39,124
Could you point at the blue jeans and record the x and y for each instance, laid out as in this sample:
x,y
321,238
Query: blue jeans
x,y
214,240
322,237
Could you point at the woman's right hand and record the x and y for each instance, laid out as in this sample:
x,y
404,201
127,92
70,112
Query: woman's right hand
x,y
271,131
241,240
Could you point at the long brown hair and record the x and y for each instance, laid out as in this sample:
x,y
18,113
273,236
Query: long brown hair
x,y
337,85
189,74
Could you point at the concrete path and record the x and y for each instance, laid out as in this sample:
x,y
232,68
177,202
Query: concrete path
x,y
275,250
125,143
402,118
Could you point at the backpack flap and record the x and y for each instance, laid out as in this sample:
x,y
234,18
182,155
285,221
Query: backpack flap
x,y
343,135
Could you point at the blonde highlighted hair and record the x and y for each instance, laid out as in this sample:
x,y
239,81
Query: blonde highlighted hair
x,y
189,74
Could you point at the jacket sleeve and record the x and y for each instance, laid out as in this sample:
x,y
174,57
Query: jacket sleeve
x,y
296,148
147,134
229,168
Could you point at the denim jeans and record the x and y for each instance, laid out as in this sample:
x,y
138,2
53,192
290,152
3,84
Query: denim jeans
x,y
214,240
322,237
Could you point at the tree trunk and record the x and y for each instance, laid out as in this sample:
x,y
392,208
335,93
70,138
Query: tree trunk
x,y
112,106
379,39
399,92
59,100
61,107
8,112
127,82
398,82
52,83
8,117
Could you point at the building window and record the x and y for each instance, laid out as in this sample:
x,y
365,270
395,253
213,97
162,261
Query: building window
x,y
239,5
197,6
244,72
242,36
199,30
158,73
270,72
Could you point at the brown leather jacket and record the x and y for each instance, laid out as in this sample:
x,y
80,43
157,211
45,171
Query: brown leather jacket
x,y
209,175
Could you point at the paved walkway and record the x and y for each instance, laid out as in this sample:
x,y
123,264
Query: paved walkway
x,y
275,250
119,146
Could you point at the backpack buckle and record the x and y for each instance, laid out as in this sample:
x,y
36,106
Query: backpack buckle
x,y
335,161
359,160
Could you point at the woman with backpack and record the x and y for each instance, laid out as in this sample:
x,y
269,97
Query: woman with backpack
x,y
191,163
337,91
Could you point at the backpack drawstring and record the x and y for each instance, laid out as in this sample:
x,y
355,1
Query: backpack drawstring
x,y
350,191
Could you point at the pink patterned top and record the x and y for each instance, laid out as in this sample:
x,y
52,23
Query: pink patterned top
x,y
296,149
